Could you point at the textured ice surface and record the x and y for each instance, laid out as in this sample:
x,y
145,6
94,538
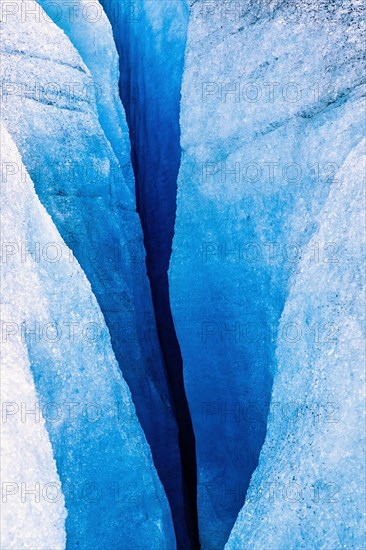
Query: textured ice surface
x,y
266,257
309,488
271,107
49,104
27,520
112,492
89,30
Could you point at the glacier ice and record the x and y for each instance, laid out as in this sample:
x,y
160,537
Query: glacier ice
x,y
271,107
27,463
265,278
112,492
308,490
50,104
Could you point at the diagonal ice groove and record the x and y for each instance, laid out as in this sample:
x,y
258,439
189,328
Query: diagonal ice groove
x,y
38,56
111,489
311,475
13,83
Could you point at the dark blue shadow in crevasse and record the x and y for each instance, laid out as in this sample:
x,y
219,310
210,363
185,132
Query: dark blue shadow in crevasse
x,y
150,40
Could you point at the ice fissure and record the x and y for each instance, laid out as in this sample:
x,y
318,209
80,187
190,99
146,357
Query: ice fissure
x,y
150,40
200,170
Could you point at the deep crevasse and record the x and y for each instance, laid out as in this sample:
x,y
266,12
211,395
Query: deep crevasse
x,y
266,257
271,107
103,460
150,38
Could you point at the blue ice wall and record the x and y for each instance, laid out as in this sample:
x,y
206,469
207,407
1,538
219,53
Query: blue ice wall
x,y
271,107
88,29
308,490
53,326
150,38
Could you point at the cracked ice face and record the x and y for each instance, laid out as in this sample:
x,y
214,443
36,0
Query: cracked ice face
x,y
265,275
